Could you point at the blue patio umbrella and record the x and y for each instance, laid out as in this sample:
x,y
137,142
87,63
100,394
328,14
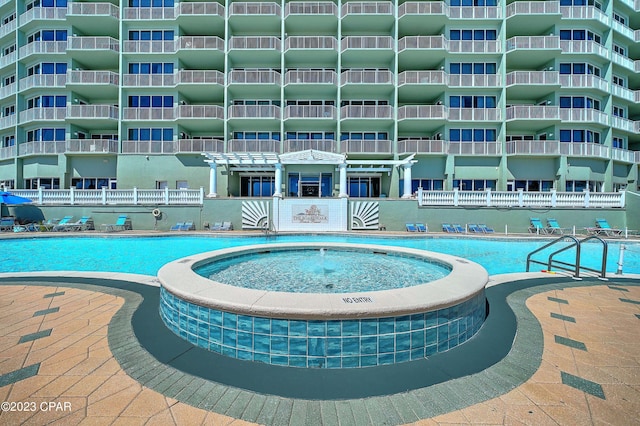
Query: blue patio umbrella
x,y
9,198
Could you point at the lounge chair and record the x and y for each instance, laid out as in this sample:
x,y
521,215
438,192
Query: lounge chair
x,y
422,227
473,227
411,227
63,223
554,228
216,226
177,227
27,227
226,226
458,228
448,228
603,228
485,229
536,226
6,224
188,226
123,223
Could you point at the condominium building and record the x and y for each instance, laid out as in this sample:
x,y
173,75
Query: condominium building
x,y
320,99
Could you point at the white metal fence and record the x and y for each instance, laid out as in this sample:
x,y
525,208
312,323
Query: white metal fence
x,y
106,196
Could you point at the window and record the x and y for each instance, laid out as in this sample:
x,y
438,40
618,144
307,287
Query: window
x,y
9,140
364,136
93,182
618,142
9,50
257,135
579,68
473,2
533,185
579,35
9,110
151,134
619,81
472,68
582,185
257,186
619,49
48,101
472,102
8,18
425,184
9,80
46,135
146,35
619,111
42,182
579,102
358,187
472,135
473,35
47,35
151,101
47,68
151,68
151,3
54,3
578,136
474,184
310,135
573,2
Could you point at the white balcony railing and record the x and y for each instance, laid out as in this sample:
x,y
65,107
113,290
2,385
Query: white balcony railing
x,y
474,80
172,46
366,146
422,112
43,114
584,46
366,42
357,76
311,42
97,146
146,13
624,155
474,114
311,77
532,112
367,8
254,111
43,47
533,77
533,42
533,147
43,80
422,146
200,77
200,111
423,77
422,8
8,90
200,145
92,77
584,81
584,12
196,8
41,148
104,196
366,111
7,152
254,9
474,12
93,111
93,43
92,9
584,149
254,76
311,8
148,147
475,148
129,113
623,124
533,8
474,46
327,112
254,145
583,115
422,42
255,42
43,13
295,145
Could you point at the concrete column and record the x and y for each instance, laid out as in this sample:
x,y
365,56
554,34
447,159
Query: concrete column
x,y
343,181
213,180
278,181
406,187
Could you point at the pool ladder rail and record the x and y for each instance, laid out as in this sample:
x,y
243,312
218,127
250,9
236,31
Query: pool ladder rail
x,y
575,267
269,229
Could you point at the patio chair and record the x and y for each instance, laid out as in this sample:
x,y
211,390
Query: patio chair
x,y
188,226
536,226
422,227
6,224
485,229
63,223
27,227
177,226
411,227
123,223
554,228
473,227
603,228
458,228
216,226
448,228
226,226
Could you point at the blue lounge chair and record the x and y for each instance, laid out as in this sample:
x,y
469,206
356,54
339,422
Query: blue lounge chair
x,y
485,229
226,226
411,227
6,224
63,224
473,227
603,228
536,226
458,228
216,226
188,226
422,227
448,228
123,223
554,228
177,227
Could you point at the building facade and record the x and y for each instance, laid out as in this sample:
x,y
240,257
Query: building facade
x,y
320,99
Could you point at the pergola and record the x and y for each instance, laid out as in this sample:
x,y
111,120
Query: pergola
x,y
270,161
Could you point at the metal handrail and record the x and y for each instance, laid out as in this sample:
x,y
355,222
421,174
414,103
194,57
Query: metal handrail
x,y
571,267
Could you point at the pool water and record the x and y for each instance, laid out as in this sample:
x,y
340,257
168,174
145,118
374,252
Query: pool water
x,y
146,255
322,271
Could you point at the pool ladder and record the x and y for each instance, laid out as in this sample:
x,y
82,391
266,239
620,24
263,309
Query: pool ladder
x,y
269,229
571,267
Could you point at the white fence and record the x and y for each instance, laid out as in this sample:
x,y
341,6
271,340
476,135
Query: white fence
x,y
106,196
521,199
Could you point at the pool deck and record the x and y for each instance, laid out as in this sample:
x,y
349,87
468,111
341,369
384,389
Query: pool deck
x,y
84,348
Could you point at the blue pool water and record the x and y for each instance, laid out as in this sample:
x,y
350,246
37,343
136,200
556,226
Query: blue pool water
x,y
146,255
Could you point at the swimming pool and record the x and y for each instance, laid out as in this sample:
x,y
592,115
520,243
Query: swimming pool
x,y
146,255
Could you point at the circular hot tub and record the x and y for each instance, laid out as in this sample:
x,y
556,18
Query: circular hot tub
x,y
305,305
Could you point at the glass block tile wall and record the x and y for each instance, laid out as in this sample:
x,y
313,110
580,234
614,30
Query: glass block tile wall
x,y
324,343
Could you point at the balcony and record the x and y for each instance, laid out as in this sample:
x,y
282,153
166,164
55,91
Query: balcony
x,y
584,149
301,50
476,13
101,116
583,115
474,114
8,28
41,148
8,60
199,111
532,51
624,155
9,90
624,93
130,113
625,62
366,112
474,80
94,18
7,152
584,47
94,52
532,112
247,83
528,78
43,81
91,146
295,145
425,52
148,13
366,83
89,84
475,148
8,121
254,17
43,114
42,14
624,124
84,10
324,16
148,147
474,46
199,145
359,51
415,86
532,17
312,83
308,112
254,145
362,16
43,47
421,118
255,51
148,80
582,13
414,17
269,112
584,81
423,146
198,43
533,147
366,146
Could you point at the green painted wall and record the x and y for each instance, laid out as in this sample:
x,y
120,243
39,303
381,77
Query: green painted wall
x,y
139,170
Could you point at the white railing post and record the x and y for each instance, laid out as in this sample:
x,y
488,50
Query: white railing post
x,y
135,196
554,197
520,197
419,196
622,198
166,195
488,197
104,195
72,195
586,198
40,195
201,199
455,197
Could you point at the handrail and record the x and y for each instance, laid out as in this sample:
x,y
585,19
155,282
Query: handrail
x,y
571,267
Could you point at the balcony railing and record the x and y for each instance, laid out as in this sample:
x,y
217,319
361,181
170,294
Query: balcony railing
x,y
254,111
98,146
422,146
254,145
533,8
533,42
423,77
106,196
327,112
366,146
471,12
475,148
43,47
584,81
584,149
7,152
366,42
9,59
295,145
43,13
311,8
172,46
146,13
422,8
254,76
8,121
8,90
43,114
474,114
467,46
422,42
521,199
311,77
533,147
623,92
624,155
532,112
583,12
199,145
196,8
366,111
255,42
8,28
200,111
583,46
148,147
366,77
92,77
584,114
148,80
422,112
533,77
200,77
41,148
93,111
92,9
254,8
474,80
43,80
623,124
311,42
93,43
148,113
367,8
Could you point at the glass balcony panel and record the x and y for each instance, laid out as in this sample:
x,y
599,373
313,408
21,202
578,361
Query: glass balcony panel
x,y
91,145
